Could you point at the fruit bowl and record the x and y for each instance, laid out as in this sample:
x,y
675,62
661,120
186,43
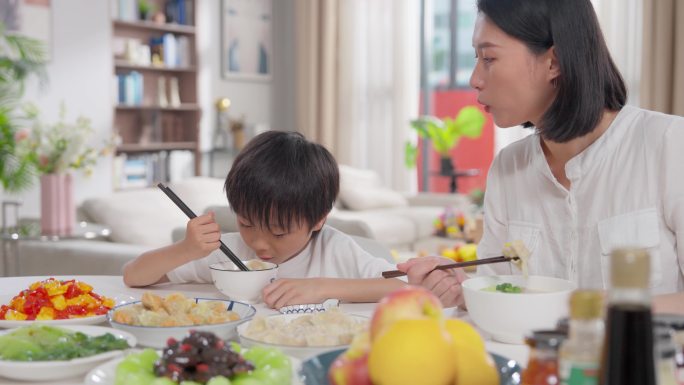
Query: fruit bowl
x,y
314,371
508,317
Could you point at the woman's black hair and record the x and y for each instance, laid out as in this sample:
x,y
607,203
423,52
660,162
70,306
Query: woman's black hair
x,y
281,179
589,81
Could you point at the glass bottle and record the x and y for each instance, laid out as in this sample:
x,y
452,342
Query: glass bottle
x,y
676,323
627,357
542,366
664,350
580,354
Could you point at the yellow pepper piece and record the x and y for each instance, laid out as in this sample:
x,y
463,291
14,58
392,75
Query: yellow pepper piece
x,y
108,302
84,287
55,288
46,314
18,303
13,315
82,300
35,285
58,302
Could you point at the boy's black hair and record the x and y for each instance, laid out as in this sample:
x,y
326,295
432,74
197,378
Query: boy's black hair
x,y
589,81
280,176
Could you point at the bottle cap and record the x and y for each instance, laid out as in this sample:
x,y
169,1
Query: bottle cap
x,y
545,339
630,268
586,304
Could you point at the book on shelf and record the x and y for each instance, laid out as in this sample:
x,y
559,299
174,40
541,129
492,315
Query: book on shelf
x,y
124,10
143,170
130,88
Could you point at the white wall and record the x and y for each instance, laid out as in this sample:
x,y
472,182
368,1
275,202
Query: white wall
x,y
251,98
79,74
269,103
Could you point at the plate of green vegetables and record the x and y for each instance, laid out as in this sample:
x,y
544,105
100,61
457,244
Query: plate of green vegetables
x,y
42,352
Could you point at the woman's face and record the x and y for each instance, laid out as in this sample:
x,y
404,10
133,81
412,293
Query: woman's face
x,y
513,84
276,245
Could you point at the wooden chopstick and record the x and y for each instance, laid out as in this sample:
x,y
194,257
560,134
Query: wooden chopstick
x,y
398,273
181,205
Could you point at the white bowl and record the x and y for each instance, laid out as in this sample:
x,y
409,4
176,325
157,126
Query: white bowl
x,y
55,370
156,336
241,285
301,352
509,317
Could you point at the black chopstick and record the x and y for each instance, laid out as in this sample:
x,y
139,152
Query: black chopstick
x,y
398,273
181,205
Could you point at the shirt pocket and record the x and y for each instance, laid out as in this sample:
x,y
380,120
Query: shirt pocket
x,y
638,229
529,233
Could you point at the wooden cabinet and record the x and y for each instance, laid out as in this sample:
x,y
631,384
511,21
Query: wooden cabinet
x,y
156,109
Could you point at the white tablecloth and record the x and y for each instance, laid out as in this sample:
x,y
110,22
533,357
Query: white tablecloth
x,y
113,286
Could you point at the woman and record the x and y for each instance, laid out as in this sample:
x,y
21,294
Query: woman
x,y
597,174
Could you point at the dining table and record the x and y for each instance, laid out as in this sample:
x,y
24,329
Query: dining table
x,y
114,287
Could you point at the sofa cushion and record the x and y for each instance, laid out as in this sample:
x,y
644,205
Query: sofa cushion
x,y
147,216
423,217
363,190
389,229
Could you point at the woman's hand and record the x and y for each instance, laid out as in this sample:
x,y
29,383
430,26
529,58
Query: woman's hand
x,y
445,284
202,236
283,292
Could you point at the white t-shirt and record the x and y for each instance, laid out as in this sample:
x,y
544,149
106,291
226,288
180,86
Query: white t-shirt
x,y
627,189
330,254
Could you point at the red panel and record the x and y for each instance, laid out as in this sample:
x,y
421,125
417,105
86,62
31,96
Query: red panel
x,y
469,153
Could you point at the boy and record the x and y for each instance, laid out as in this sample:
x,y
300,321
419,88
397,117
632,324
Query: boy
x,y
282,188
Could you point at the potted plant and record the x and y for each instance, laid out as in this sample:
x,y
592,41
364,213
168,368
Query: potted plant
x,y
144,9
20,57
445,134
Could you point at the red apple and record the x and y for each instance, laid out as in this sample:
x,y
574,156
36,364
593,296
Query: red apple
x,y
408,302
351,367
350,371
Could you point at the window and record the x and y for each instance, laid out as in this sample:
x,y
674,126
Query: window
x,y
453,58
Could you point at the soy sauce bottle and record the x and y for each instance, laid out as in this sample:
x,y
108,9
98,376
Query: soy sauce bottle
x,y
627,357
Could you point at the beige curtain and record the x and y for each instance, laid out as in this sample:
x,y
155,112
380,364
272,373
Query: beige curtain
x,y
358,81
317,40
662,84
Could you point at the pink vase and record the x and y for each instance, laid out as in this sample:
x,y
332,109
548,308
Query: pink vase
x,y
57,212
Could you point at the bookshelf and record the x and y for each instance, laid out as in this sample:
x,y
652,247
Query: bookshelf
x,y
156,111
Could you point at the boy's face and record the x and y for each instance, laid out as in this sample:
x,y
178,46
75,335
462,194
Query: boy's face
x,y
276,245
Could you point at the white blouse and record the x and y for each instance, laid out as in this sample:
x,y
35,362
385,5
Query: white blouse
x,y
627,189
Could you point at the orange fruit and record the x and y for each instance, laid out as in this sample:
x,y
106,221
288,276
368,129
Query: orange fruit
x,y
464,334
474,366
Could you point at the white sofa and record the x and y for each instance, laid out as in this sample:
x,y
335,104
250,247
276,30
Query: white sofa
x,y
145,218
400,221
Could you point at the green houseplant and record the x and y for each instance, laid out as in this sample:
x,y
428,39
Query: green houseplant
x,y
20,57
445,134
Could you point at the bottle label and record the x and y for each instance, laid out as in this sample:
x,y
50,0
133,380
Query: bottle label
x,y
574,373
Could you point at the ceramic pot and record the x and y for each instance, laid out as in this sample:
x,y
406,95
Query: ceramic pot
x,y
57,211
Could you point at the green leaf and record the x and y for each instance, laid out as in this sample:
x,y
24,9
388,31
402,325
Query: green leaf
x,y
410,155
445,134
470,121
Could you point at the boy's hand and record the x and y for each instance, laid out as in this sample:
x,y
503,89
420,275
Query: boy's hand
x,y
285,292
202,236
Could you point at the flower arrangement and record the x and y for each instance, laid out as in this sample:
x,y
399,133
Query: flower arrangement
x,y
450,224
57,148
